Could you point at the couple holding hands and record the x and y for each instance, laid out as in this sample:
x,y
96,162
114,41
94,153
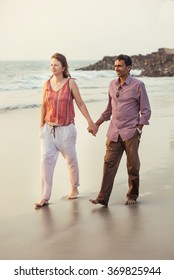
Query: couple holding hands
x,y
128,110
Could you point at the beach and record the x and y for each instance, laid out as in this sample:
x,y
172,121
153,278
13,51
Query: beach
x,y
76,229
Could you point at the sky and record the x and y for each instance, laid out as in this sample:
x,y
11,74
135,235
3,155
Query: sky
x,y
84,29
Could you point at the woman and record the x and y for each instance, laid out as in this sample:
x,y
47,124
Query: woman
x,y
58,133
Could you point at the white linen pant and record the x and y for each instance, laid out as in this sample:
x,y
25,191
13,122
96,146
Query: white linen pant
x,y
63,141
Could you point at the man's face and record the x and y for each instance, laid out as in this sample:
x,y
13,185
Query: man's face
x,y
121,69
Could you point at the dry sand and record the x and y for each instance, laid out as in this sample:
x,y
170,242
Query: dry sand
x,y
77,229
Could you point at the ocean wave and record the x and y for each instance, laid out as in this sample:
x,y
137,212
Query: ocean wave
x,y
33,105
89,75
18,107
21,84
28,82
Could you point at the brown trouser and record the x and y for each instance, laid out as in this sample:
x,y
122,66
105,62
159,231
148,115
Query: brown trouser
x,y
112,159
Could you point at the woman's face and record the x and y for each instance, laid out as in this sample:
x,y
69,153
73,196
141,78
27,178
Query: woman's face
x,y
56,67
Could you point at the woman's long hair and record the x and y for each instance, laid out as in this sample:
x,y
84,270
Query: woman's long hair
x,y
60,57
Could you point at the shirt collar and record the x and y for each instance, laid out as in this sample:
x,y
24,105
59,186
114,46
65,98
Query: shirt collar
x,y
127,81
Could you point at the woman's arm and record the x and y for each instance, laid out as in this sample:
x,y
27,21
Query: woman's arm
x,y
43,107
81,105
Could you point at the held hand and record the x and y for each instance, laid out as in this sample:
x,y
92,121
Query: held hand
x,y
93,129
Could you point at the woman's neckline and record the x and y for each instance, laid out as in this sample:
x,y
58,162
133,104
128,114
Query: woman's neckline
x,y
63,84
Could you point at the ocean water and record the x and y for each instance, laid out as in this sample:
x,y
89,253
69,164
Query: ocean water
x,y
21,84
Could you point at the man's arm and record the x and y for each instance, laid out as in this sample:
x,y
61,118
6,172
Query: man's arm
x,y
145,109
106,115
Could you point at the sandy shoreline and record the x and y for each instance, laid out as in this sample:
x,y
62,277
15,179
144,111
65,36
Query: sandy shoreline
x,y
76,229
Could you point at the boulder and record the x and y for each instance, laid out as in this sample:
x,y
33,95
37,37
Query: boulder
x,y
156,64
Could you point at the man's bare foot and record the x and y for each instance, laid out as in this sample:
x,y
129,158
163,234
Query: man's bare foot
x,y
74,193
96,201
130,201
41,203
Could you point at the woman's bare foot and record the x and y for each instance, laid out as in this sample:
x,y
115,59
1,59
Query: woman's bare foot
x,y
41,203
74,193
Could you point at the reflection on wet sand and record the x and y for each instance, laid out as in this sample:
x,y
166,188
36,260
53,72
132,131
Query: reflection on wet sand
x,y
76,229
55,222
119,230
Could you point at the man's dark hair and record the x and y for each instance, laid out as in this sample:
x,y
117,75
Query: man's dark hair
x,y
126,58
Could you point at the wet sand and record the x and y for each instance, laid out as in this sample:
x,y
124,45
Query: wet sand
x,y
76,229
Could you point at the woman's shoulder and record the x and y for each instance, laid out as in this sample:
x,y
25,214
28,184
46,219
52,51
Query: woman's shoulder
x,y
47,81
72,82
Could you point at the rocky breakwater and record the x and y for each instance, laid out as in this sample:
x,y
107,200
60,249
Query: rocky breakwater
x,y
156,64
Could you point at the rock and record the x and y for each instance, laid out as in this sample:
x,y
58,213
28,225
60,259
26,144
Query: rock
x,y
156,64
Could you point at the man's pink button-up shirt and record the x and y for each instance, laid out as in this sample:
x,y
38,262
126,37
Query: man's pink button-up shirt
x,y
128,110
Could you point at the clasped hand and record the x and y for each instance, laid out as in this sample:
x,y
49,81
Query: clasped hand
x,y
93,129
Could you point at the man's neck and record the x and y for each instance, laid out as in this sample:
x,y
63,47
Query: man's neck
x,y
123,79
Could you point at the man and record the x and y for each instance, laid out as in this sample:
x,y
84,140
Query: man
x,y
129,107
